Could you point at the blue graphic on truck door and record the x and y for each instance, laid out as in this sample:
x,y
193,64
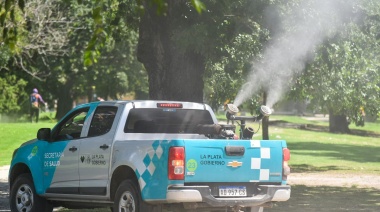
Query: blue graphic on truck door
x,y
60,167
61,156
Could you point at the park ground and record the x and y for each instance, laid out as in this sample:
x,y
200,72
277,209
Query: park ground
x,y
335,188
310,192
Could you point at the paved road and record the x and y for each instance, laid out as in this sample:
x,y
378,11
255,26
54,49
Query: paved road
x,y
4,190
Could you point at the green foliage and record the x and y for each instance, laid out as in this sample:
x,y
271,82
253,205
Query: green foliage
x,y
13,91
117,70
5,55
8,21
345,73
232,35
198,5
103,35
346,76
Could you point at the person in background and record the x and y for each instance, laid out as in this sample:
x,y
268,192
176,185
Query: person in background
x,y
362,116
35,99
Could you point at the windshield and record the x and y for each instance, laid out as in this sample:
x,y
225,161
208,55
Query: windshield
x,y
166,120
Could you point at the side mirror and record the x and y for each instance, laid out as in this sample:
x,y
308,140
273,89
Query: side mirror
x,y
44,134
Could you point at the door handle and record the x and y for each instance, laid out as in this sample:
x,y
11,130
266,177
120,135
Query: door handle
x,y
73,149
104,147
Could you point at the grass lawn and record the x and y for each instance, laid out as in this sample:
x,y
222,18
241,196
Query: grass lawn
x,y
313,148
14,134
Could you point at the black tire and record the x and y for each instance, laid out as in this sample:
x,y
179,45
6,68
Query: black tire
x,y
128,199
23,196
254,209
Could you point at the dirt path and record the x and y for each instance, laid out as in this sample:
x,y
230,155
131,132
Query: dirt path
x,y
338,180
308,179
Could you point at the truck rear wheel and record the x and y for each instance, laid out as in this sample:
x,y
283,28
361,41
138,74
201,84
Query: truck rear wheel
x,y
255,209
23,196
128,199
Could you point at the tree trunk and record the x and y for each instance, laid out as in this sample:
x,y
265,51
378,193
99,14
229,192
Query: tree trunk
x,y
338,123
174,74
65,101
265,121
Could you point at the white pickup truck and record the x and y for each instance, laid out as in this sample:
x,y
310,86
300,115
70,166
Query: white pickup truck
x,y
147,156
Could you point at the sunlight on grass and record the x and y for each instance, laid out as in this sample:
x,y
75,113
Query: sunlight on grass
x,y
14,134
324,151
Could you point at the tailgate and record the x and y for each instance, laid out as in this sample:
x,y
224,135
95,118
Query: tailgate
x,y
233,160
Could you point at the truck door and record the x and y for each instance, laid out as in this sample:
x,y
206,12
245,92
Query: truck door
x,y
60,159
95,151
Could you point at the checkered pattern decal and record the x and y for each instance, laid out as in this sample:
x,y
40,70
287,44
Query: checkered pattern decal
x,y
258,162
151,161
261,163
151,169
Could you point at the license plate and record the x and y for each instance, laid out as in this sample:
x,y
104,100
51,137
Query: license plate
x,y
232,191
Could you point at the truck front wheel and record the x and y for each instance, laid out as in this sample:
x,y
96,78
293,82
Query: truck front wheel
x,y
23,196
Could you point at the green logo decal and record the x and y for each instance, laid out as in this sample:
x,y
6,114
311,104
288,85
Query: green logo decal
x,y
34,150
191,165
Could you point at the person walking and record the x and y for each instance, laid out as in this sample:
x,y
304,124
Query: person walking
x,y
35,99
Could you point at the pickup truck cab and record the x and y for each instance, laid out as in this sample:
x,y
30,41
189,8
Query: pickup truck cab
x,y
147,156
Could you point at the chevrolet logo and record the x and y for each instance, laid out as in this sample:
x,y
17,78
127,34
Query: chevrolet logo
x,y
234,164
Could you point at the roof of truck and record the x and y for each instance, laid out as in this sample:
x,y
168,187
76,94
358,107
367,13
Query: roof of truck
x,y
154,104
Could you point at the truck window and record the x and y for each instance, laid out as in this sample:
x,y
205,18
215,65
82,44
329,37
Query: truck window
x,y
102,120
71,127
159,120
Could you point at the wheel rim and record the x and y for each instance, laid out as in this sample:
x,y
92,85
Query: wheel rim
x,y
24,198
127,202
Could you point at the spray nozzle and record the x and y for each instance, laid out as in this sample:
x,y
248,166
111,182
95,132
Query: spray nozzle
x,y
265,110
232,110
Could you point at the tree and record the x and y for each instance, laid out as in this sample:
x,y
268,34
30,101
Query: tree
x,y
175,48
174,73
345,75
180,48
225,74
12,93
57,62
116,70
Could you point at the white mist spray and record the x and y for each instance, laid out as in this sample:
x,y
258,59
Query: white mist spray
x,y
285,57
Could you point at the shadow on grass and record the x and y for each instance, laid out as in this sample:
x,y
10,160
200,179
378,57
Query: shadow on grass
x,y
304,198
319,128
324,198
361,154
304,168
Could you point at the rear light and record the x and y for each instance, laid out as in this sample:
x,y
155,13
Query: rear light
x,y
286,154
285,165
169,105
176,163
